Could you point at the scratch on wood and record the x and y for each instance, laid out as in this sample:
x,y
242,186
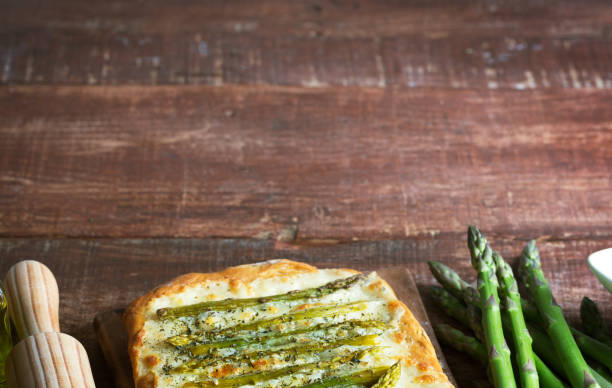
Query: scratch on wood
x,y
575,78
185,135
105,65
185,184
218,66
380,68
491,75
544,76
409,76
453,80
29,68
6,73
585,77
153,76
530,80
194,61
313,82
563,79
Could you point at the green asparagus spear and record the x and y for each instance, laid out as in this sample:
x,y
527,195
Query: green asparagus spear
x,y
449,304
546,377
274,338
197,366
360,378
390,378
564,344
448,278
599,368
522,340
602,381
475,349
474,315
229,304
588,345
270,339
314,312
541,344
593,348
543,347
592,322
461,342
352,358
499,354
530,311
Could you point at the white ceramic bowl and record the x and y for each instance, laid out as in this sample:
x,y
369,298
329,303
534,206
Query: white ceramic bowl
x,y
601,265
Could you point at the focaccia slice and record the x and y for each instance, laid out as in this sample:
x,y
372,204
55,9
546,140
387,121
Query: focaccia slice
x,y
278,324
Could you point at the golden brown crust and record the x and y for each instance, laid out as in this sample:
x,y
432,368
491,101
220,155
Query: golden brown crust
x,y
421,349
134,316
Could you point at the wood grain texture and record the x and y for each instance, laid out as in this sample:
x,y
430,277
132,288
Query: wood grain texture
x,y
113,339
307,127
44,358
33,298
458,44
49,360
104,274
333,163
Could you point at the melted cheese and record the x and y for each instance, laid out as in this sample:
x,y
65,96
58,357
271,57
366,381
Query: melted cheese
x,y
376,302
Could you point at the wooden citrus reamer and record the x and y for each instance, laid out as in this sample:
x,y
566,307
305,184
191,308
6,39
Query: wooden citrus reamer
x,y
44,357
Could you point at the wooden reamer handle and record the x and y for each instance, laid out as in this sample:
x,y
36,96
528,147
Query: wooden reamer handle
x,y
44,358
33,298
49,360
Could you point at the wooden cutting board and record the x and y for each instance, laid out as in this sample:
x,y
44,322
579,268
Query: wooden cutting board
x,y
113,338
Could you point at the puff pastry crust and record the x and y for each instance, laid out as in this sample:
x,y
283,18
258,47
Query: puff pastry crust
x,y
154,360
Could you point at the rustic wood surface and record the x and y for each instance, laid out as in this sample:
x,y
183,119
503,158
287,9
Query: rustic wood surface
x,y
335,163
113,339
142,140
98,275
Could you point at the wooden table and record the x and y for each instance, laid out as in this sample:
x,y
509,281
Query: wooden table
x,y
142,140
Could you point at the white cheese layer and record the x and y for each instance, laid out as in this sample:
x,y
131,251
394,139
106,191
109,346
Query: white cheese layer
x,y
370,300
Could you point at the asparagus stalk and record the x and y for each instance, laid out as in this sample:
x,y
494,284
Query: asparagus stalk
x,y
546,377
390,378
352,358
197,366
543,348
593,348
450,304
602,381
461,342
588,345
522,340
311,313
230,304
474,314
599,368
499,354
592,322
275,338
360,378
475,349
448,278
564,344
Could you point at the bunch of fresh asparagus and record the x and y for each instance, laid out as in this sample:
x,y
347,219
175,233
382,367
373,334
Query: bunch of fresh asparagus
x,y
523,342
